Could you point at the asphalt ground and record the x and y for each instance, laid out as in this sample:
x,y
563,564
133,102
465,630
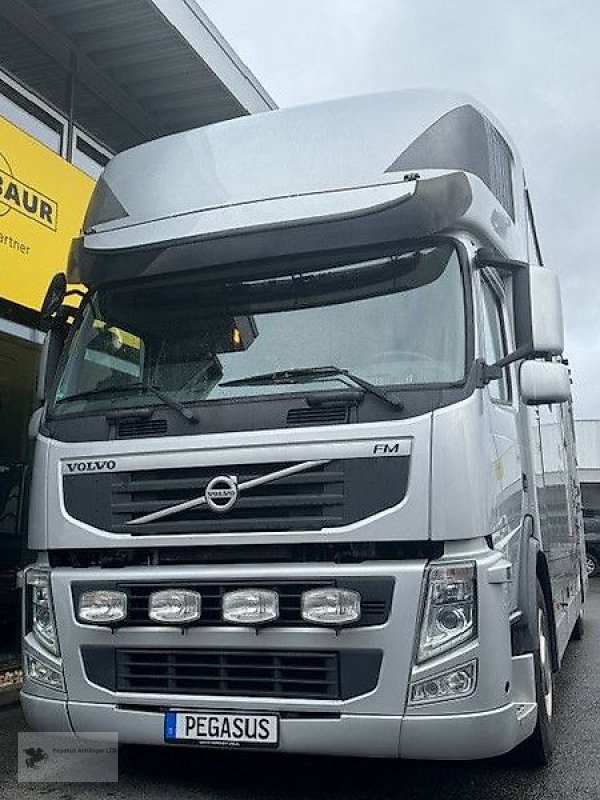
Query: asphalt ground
x,y
168,774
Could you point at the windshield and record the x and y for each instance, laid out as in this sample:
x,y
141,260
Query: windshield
x,y
396,322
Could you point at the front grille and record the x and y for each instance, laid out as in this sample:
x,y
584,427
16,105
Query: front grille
x,y
311,500
376,598
308,674
325,496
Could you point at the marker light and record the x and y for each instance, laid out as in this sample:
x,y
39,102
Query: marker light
x,y
331,606
175,606
450,610
102,606
41,610
250,606
460,682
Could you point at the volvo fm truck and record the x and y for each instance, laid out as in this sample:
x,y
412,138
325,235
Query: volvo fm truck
x,y
289,489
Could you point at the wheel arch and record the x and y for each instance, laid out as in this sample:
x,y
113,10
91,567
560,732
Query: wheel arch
x,y
543,577
533,569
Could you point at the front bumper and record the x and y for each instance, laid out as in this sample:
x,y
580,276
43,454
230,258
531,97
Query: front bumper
x,y
376,722
456,736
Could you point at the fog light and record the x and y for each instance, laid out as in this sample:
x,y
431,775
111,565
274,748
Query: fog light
x,y
42,673
250,606
102,606
460,682
331,606
175,605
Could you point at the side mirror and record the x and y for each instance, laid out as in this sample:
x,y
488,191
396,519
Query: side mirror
x,y
538,311
55,295
50,355
537,307
544,383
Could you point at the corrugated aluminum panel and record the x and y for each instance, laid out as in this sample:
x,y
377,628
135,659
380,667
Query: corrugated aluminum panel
x,y
138,75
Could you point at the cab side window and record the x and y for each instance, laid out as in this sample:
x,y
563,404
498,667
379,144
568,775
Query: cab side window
x,y
494,339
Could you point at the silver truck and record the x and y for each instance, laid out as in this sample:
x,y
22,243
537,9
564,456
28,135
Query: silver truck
x,y
290,489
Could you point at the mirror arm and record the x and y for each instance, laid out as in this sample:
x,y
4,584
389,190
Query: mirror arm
x,y
493,372
62,316
486,373
520,353
485,257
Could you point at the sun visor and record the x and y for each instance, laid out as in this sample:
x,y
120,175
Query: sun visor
x,y
222,220
264,231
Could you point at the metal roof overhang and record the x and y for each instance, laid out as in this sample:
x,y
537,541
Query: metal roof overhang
x,y
127,71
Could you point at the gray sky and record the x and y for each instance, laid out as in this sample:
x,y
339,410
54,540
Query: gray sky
x,y
535,63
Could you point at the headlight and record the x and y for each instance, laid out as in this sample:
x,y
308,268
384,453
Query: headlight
x,y
175,606
102,606
450,609
40,608
331,606
250,606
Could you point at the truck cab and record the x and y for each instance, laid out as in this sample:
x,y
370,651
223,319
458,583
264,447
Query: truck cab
x,y
289,486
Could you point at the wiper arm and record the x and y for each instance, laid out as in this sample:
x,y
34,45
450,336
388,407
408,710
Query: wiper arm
x,y
314,373
168,401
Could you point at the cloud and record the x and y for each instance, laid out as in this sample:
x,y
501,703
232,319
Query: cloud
x,y
536,65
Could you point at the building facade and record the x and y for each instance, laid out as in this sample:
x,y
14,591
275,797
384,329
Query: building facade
x,y
588,456
79,81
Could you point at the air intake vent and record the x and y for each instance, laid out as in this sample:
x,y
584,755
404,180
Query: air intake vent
x,y
318,415
140,428
306,674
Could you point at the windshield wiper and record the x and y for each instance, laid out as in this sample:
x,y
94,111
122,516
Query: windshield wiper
x,y
314,373
168,401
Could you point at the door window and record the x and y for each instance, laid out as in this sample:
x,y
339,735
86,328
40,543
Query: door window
x,y
494,340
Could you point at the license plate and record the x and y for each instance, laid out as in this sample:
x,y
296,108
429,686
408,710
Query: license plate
x,y
226,730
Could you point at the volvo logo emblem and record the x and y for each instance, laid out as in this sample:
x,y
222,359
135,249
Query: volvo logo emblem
x,y
221,493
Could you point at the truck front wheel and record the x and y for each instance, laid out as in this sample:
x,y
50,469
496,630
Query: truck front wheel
x,y
537,749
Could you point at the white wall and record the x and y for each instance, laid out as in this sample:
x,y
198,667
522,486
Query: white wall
x,y
588,450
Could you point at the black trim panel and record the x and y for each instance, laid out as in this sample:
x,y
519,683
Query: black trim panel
x,y
306,674
347,552
376,598
335,494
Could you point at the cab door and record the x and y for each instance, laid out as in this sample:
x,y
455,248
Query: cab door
x,y
501,402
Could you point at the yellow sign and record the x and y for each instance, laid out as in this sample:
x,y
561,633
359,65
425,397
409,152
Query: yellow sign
x,y
42,202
